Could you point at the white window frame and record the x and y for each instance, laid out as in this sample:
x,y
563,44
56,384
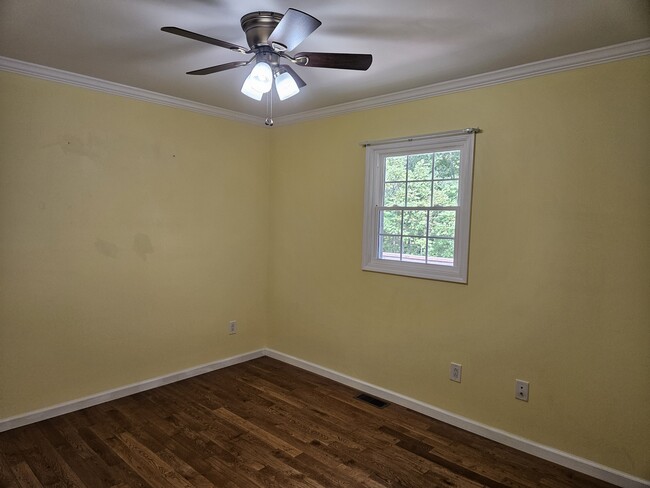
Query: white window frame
x,y
376,154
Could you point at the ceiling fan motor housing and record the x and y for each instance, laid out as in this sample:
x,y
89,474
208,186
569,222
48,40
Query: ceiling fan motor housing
x,y
258,26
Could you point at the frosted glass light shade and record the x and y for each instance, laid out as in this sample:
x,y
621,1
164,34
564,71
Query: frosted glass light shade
x,y
261,78
286,86
248,90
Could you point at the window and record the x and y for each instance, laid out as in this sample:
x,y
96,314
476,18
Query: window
x,y
417,206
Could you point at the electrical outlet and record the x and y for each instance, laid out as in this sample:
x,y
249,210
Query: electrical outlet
x,y
521,390
232,327
455,371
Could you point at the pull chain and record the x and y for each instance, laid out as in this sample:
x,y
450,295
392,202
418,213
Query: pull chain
x,y
269,109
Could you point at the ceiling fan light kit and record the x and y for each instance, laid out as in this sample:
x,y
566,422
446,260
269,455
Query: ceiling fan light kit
x,y
285,85
261,78
248,90
270,37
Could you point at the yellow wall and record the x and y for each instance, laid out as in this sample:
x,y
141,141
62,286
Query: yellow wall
x,y
130,234
559,286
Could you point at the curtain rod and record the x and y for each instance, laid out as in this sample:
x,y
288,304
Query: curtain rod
x,y
468,130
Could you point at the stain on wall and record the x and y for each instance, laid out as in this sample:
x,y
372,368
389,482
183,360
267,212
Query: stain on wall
x,y
142,245
106,248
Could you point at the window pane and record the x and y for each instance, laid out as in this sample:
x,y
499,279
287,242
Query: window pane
x,y
441,251
419,194
391,222
442,223
445,193
420,166
446,165
389,247
414,250
395,168
394,194
415,223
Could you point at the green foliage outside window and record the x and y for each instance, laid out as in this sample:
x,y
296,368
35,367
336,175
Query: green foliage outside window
x,y
416,183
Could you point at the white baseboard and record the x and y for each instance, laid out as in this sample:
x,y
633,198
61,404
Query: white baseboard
x,y
556,456
89,401
550,454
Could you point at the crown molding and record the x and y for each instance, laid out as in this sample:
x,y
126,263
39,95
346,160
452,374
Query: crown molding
x,y
616,52
68,78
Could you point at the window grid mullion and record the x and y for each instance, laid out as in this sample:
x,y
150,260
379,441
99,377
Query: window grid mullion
x,y
426,240
406,201
401,234
433,173
452,208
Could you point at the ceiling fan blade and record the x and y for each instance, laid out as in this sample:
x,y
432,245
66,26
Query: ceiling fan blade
x,y
200,37
294,28
299,81
334,60
219,67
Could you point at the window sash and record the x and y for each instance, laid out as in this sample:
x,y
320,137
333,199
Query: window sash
x,y
429,261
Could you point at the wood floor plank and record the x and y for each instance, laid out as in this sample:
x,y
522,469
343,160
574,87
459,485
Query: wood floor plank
x,y
89,468
262,424
45,462
118,469
7,474
25,476
144,462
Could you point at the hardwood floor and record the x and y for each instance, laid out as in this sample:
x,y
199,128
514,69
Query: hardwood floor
x,y
262,424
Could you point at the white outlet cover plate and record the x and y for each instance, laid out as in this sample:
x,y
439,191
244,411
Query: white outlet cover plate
x,y
521,390
455,372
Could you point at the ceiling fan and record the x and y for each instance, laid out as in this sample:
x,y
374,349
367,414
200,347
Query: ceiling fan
x,y
270,36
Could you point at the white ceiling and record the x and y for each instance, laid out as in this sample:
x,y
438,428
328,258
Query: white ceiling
x,y
414,43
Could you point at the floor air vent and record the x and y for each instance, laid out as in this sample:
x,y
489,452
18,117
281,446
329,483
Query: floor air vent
x,y
375,402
